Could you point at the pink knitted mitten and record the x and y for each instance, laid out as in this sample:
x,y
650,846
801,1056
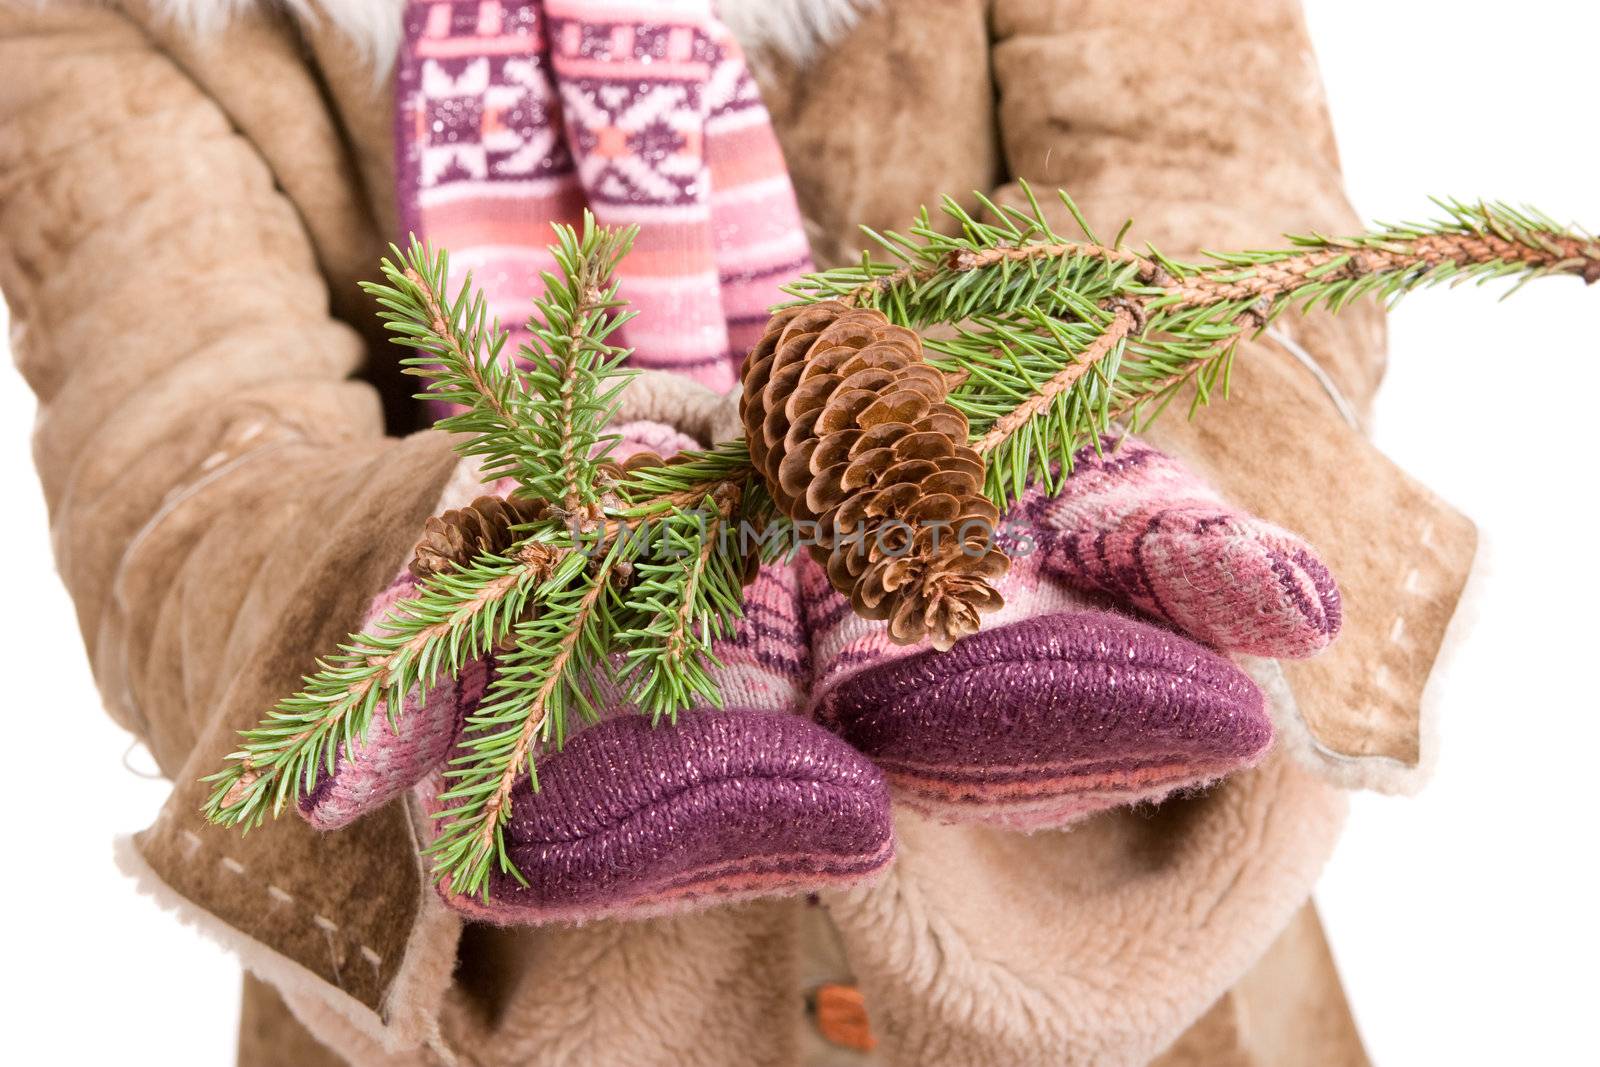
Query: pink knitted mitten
x,y
1136,524
750,799
1059,707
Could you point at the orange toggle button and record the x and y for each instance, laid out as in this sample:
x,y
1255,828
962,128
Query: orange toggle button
x,y
841,1014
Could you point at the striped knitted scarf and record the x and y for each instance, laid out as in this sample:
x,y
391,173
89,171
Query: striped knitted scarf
x,y
513,114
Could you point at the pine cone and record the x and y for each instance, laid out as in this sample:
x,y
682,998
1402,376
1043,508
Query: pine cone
x,y
850,428
461,534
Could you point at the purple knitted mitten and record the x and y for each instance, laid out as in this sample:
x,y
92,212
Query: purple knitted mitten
x,y
1059,708
725,805
751,799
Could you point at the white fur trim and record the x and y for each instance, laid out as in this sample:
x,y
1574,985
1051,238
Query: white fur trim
x,y
1381,774
373,25
791,29
411,1008
1436,693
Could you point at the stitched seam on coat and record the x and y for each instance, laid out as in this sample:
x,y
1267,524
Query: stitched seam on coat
x,y
278,897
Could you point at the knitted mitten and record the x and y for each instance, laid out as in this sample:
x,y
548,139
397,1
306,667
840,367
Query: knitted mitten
x,y
749,799
1136,524
1060,708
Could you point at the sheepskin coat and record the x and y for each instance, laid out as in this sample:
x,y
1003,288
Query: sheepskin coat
x,y
189,194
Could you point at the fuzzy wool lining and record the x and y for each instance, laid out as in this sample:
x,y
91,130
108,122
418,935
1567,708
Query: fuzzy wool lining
x,y
373,25
790,29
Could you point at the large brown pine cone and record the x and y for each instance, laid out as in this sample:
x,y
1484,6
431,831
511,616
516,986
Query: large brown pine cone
x,y
461,534
850,428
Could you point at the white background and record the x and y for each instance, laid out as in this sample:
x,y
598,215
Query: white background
x,y
1463,920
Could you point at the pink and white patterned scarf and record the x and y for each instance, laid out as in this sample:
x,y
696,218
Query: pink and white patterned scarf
x,y
513,114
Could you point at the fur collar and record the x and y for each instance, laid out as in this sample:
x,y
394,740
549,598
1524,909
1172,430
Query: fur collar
x,y
373,25
790,29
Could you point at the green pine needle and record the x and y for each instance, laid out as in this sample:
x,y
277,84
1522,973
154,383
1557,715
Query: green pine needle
x,y
453,619
540,419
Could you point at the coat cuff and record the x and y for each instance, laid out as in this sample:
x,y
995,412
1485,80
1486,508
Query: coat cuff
x,y
1358,712
349,918
384,975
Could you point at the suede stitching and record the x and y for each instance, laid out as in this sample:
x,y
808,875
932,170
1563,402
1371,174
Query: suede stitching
x,y
280,897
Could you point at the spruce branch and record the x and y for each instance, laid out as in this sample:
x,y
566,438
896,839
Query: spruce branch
x,y
1054,396
685,598
540,419
459,349
1045,394
541,680
453,619
621,585
686,480
1057,338
573,375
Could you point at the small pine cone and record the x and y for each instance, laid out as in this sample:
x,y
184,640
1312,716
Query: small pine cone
x,y
644,460
641,460
850,428
461,534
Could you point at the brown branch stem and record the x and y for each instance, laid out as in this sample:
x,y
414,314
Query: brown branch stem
x,y
538,710
1122,322
587,303
1259,285
442,327
1273,280
726,498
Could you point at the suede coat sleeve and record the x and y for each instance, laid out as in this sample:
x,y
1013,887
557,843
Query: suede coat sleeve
x,y
1205,123
223,501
